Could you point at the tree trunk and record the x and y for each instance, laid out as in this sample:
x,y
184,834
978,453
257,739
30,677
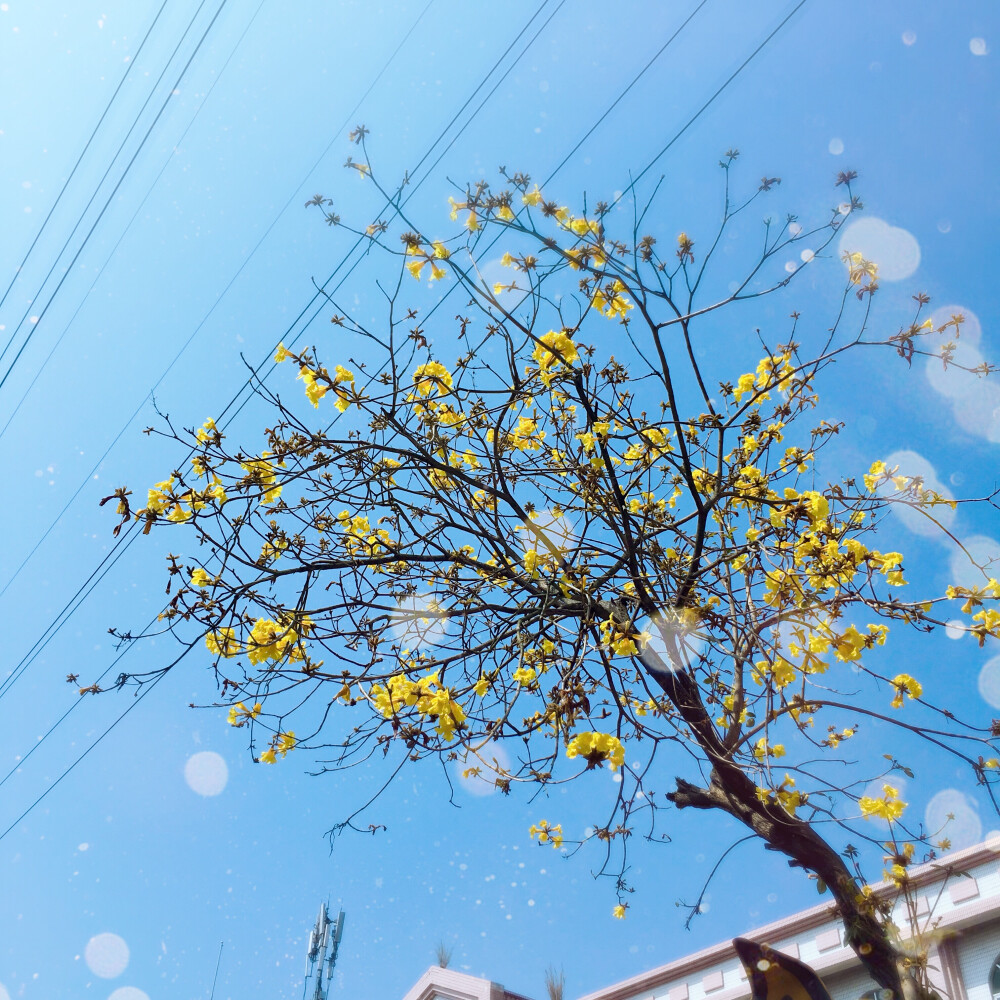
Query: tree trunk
x,y
732,791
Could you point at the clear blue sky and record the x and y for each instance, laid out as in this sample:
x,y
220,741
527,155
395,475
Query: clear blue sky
x,y
905,93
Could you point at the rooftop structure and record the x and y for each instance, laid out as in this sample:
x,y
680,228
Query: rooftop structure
x,y
958,894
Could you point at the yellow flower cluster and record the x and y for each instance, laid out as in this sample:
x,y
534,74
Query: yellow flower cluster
x,y
318,382
611,301
888,807
438,251
785,795
425,694
904,684
268,640
262,474
281,744
762,750
162,498
239,714
547,833
359,537
554,349
596,748
622,640
276,641
432,377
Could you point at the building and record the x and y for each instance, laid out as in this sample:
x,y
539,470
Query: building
x,y
960,893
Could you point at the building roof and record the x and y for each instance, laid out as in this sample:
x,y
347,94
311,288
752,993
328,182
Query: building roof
x,y
965,891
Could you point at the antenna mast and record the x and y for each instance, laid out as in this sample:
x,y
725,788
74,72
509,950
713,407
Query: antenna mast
x,y
324,940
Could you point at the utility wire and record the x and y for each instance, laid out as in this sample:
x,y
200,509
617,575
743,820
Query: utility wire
x,y
110,198
216,976
104,177
659,52
142,403
70,607
125,231
732,76
130,532
79,159
72,766
645,170
312,300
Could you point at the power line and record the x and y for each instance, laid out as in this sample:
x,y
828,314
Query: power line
x,y
211,310
118,243
736,72
79,159
104,177
86,752
114,191
659,52
669,144
54,627
313,299
69,608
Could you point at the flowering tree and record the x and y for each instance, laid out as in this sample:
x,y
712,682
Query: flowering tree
x,y
563,520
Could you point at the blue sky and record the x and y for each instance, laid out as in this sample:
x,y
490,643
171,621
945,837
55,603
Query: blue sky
x,y
905,93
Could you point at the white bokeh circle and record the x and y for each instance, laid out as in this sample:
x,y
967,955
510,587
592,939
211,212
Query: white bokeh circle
x,y
549,531
912,464
979,551
893,249
129,993
106,955
964,830
206,773
491,759
978,46
989,682
419,620
955,628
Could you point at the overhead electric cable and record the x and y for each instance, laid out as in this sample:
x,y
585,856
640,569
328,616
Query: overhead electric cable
x,y
83,153
132,526
305,309
110,198
670,143
97,187
240,269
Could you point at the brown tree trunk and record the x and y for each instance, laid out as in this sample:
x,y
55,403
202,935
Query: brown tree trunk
x,y
732,791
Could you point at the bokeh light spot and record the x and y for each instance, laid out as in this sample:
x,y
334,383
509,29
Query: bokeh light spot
x,y
129,993
964,830
909,37
989,682
836,146
978,47
491,759
106,955
954,629
913,465
893,248
206,773
419,621
979,551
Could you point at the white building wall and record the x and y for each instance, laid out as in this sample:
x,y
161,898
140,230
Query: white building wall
x,y
978,949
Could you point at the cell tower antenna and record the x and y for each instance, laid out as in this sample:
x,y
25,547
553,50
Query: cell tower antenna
x,y
321,956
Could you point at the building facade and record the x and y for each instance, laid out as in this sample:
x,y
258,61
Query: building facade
x,y
959,895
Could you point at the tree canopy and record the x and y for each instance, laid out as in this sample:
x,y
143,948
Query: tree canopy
x,y
542,508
